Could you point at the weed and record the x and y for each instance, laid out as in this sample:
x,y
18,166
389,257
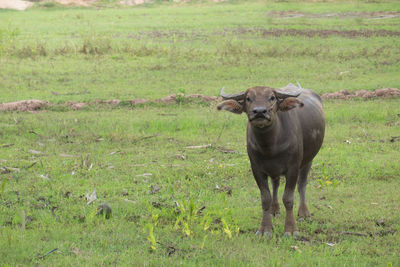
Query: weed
x,y
180,96
186,216
94,44
3,186
32,51
149,230
8,36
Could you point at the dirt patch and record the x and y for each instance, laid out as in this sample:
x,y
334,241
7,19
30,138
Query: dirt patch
x,y
290,14
76,2
345,94
76,105
135,2
112,102
138,101
24,105
34,105
15,4
318,33
203,97
22,5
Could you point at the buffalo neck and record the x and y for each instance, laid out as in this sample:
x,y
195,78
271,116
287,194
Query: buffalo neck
x,y
264,139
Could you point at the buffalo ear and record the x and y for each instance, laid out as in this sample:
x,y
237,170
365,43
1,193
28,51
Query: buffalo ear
x,y
290,103
231,105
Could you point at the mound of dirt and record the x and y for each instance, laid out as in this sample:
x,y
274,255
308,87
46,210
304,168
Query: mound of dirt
x,y
345,94
34,105
24,105
138,101
112,102
76,105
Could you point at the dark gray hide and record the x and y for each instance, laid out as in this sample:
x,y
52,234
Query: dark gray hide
x,y
285,131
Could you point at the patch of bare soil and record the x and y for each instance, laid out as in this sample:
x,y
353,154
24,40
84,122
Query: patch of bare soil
x,y
113,102
141,2
24,105
35,105
318,33
15,4
76,2
76,105
135,2
138,101
22,5
289,14
345,94
171,99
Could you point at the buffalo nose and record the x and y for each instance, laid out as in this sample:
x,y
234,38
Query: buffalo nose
x,y
259,110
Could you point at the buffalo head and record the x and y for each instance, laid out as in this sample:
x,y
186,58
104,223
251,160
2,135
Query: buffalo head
x,y
262,103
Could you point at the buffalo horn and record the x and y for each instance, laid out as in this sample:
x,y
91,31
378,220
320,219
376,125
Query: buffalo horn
x,y
237,96
289,90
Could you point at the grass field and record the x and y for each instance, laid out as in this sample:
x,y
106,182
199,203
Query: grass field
x,y
177,177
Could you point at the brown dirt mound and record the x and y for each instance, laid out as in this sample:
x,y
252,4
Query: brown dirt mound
x,y
138,101
345,94
34,105
24,105
76,105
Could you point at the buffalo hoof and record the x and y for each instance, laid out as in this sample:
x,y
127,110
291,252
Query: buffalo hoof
x,y
266,234
303,213
289,234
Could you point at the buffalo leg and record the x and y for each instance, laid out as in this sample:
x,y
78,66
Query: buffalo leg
x,y
266,221
301,187
275,203
288,201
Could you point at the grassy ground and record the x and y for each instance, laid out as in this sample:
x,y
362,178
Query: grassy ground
x,y
172,203
85,54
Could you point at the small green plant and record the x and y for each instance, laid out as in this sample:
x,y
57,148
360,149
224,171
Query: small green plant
x,y
326,177
327,181
187,215
229,230
149,230
94,44
91,214
3,186
180,96
7,38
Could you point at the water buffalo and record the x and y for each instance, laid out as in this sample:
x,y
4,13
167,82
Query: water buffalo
x,y
285,131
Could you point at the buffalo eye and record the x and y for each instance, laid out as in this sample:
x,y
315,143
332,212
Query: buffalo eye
x,y
272,98
248,99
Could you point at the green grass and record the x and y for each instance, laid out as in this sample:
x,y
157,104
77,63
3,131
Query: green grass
x,y
158,50
49,160
352,186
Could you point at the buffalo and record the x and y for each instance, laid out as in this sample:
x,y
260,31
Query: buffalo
x,y
285,131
